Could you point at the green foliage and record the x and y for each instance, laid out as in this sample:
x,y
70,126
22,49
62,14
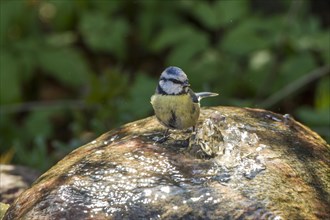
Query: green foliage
x,y
103,34
322,95
138,104
219,13
71,70
9,79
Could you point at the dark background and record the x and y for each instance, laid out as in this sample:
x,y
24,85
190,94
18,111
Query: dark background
x,y
72,70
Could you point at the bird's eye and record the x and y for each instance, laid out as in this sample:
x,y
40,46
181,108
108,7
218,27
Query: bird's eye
x,y
175,81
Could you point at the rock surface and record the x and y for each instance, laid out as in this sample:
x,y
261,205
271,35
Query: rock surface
x,y
240,164
14,180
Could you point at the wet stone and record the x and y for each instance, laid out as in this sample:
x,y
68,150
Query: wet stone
x,y
239,163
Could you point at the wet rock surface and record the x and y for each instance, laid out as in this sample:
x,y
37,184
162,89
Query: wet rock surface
x,y
239,164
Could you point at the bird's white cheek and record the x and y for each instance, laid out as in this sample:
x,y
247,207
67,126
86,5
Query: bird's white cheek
x,y
162,84
170,87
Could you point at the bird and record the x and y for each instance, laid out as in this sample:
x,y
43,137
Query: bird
x,y
175,104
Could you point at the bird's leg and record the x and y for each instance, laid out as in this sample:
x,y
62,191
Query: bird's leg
x,y
164,138
193,133
166,133
194,129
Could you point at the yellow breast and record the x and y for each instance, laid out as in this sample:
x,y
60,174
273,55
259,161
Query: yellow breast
x,y
175,111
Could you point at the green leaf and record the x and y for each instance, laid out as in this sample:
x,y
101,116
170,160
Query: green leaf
x,y
213,71
218,13
60,14
10,89
67,65
138,105
107,87
206,70
206,14
189,48
38,124
37,157
322,95
314,118
8,131
260,67
230,11
322,43
155,17
103,34
26,58
10,12
294,67
184,41
103,7
171,36
250,35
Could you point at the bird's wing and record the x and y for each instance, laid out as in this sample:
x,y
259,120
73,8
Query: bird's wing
x,y
193,96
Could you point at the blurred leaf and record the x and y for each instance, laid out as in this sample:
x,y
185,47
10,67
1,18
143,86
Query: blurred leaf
x,y
308,35
7,131
230,11
206,70
322,43
62,39
258,71
59,13
218,13
312,117
317,120
250,35
38,124
36,157
186,43
259,59
171,36
156,16
67,65
104,34
108,91
293,68
322,95
62,149
10,12
206,14
214,70
108,86
26,58
183,54
6,157
140,93
10,90
106,7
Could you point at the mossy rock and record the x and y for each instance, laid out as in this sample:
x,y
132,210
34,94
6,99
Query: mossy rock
x,y
3,209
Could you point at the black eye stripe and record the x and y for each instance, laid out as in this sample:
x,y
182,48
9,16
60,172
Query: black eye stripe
x,y
175,81
172,80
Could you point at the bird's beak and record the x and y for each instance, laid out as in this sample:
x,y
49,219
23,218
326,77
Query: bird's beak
x,y
186,84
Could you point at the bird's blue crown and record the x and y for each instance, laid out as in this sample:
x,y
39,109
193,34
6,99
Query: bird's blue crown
x,y
172,70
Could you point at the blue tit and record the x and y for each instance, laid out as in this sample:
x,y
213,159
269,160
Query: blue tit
x,y
176,106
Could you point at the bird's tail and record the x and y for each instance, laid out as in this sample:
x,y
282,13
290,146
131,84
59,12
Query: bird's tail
x,y
202,95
